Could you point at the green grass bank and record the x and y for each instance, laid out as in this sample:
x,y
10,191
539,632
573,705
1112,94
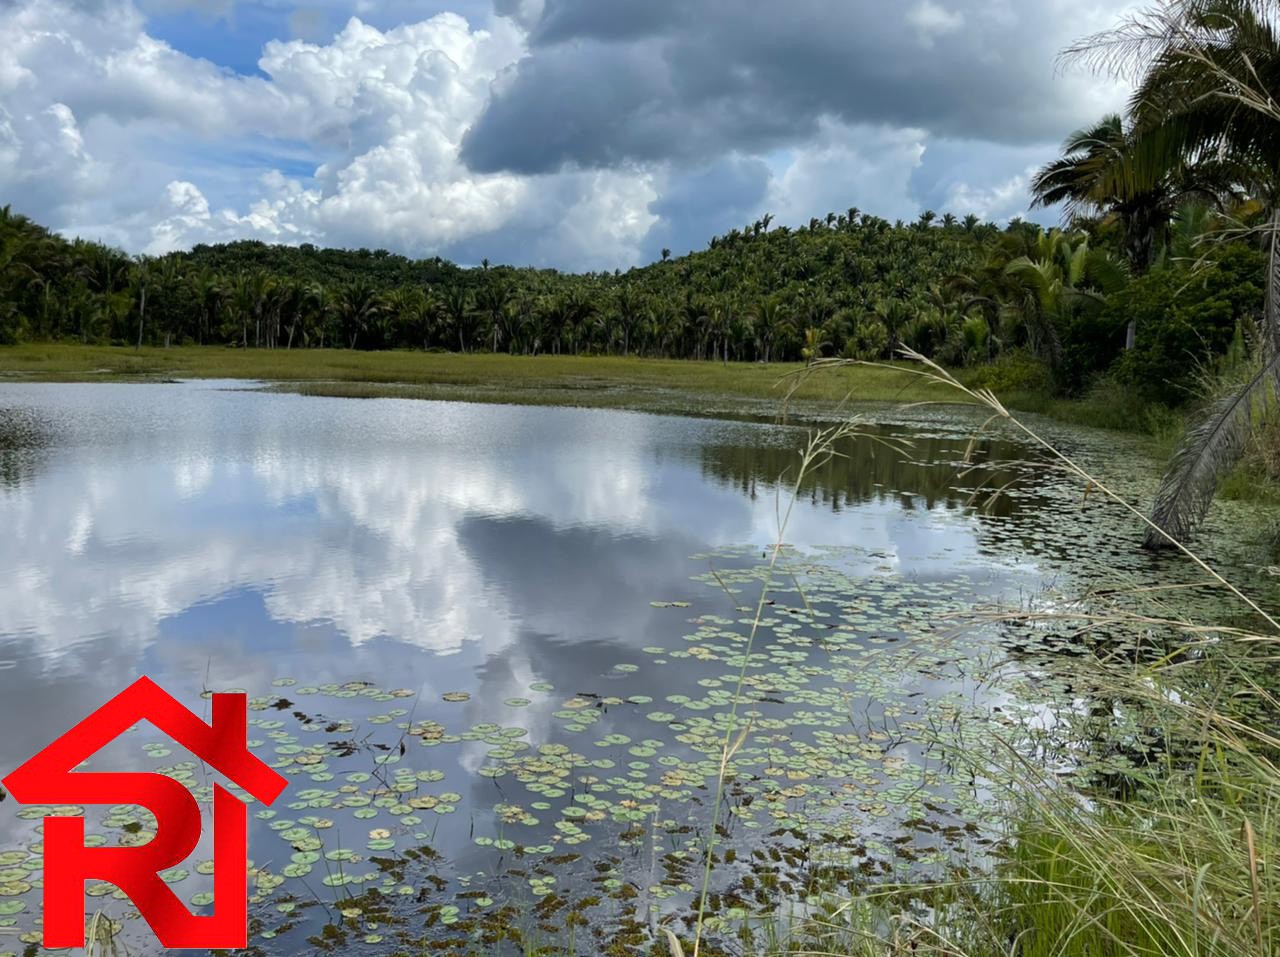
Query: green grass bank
x,y
599,381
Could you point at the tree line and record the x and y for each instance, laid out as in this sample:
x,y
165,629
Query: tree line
x,y
848,284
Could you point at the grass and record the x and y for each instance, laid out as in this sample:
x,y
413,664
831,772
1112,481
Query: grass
x,y
598,381
1107,406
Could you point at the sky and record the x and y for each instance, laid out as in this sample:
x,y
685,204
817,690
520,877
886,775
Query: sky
x,y
577,134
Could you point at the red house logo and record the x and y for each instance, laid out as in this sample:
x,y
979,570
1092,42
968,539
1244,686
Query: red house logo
x,y
48,778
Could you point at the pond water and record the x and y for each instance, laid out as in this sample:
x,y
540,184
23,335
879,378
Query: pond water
x,y
496,650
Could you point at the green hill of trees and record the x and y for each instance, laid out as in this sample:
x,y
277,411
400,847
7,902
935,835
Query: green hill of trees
x,y
850,284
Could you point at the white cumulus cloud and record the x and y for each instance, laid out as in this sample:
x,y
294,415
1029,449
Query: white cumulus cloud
x,y
122,137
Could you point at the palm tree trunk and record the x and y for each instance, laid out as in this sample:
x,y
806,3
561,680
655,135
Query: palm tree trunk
x,y
142,312
1271,311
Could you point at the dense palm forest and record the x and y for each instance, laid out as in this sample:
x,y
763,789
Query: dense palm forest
x,y
848,284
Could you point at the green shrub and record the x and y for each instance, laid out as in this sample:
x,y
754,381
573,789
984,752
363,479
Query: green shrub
x,y
926,333
1092,341
1011,372
1185,320
868,341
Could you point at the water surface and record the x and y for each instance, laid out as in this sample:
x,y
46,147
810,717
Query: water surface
x,y
496,648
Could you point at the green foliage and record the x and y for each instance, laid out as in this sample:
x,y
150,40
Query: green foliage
x,y
851,285
1013,372
869,340
927,332
750,296
1092,340
1186,319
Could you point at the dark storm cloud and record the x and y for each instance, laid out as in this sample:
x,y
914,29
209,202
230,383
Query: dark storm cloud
x,y
704,203
610,21
600,104
613,80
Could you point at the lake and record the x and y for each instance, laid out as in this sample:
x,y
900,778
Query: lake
x,y
498,650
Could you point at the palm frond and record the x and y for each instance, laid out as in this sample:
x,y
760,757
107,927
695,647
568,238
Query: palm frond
x,y
1208,451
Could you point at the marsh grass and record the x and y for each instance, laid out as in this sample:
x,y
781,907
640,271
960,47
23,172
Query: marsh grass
x,y
611,381
102,937
1177,862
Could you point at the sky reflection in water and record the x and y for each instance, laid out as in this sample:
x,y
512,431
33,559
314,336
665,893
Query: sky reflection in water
x,y
211,537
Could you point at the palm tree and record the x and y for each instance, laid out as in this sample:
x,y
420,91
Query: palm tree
x,y
206,288
719,325
894,314
814,343
1110,170
357,306
671,326
321,311
1206,72
581,308
631,308
693,312
460,315
249,295
138,278
769,321
925,220
15,273
491,303
1064,274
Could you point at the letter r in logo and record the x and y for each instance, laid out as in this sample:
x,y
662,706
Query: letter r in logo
x,y
48,778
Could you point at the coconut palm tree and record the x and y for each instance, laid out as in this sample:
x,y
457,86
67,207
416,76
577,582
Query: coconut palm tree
x,y
491,302
460,315
814,343
357,307
769,321
894,314
207,289
631,308
1206,72
15,273
1062,275
1110,169
138,279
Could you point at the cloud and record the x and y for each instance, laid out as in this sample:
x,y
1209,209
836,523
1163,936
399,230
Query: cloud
x,y
607,80
932,21
707,201
265,497
379,114
1002,201
850,165
568,133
